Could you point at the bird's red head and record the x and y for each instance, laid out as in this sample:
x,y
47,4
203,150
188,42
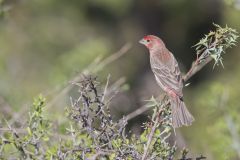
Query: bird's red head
x,y
151,42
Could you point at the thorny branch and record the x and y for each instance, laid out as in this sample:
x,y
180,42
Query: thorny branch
x,y
91,68
91,114
100,65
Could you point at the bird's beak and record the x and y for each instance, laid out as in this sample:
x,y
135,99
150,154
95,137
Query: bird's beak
x,y
142,41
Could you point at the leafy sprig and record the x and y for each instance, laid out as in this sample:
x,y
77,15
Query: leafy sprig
x,y
30,143
215,43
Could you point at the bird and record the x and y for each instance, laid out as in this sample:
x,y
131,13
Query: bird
x,y
168,76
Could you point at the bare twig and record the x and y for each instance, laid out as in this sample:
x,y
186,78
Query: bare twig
x,y
150,137
195,68
153,129
137,112
105,89
101,65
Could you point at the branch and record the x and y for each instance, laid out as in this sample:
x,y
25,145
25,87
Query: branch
x,y
150,137
195,68
16,142
153,129
100,65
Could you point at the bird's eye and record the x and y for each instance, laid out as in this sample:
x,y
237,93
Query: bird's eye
x,y
148,40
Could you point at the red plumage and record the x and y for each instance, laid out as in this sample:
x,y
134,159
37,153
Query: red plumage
x,y
168,77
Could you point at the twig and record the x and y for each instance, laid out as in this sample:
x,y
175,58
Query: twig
x,y
105,89
195,68
19,130
113,57
153,129
150,137
19,147
137,112
198,64
101,65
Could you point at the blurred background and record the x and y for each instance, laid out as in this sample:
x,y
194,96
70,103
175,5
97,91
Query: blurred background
x,y
46,43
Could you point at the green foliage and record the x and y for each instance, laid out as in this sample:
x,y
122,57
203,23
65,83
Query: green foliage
x,y
38,126
31,144
92,134
215,43
219,115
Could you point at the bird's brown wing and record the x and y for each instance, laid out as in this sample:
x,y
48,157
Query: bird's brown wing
x,y
168,77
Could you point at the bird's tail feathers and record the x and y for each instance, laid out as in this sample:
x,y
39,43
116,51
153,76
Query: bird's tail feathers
x,y
180,114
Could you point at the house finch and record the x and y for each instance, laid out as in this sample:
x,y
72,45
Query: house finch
x,y
168,77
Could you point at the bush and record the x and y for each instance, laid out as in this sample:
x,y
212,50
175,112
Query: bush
x,y
92,133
